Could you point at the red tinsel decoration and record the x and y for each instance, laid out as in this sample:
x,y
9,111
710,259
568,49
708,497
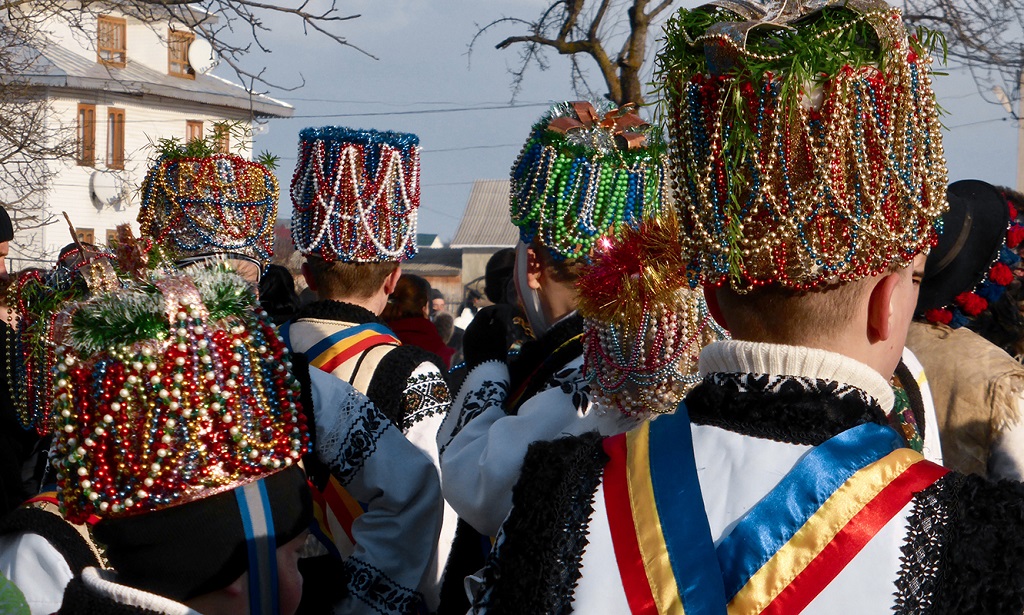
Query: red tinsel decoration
x,y
1001,274
939,316
1014,236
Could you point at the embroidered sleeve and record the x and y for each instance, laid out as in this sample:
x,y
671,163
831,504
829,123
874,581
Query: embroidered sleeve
x,y
426,394
347,435
374,589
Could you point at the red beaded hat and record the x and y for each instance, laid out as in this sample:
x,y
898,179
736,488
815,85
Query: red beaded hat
x,y
355,195
171,391
214,205
806,146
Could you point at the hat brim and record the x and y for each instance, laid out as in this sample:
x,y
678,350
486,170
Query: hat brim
x,y
974,230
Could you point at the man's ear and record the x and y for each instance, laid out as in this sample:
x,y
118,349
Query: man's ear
x,y
307,274
534,269
881,309
711,298
391,281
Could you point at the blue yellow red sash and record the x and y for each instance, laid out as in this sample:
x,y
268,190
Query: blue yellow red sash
x,y
797,539
334,508
659,529
334,350
779,556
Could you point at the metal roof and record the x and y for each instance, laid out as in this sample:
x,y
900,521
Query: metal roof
x,y
435,261
485,223
61,68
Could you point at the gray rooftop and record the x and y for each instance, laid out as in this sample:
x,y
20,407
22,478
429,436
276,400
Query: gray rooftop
x,y
485,223
58,67
435,262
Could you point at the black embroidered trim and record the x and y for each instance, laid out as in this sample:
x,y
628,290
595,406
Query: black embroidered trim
x,y
390,383
426,395
533,354
490,393
982,567
535,565
359,443
375,589
928,529
329,309
788,409
67,540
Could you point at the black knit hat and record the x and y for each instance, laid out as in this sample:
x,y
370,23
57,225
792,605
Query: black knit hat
x,y
973,231
198,547
6,228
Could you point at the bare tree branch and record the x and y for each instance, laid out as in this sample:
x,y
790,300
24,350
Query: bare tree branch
x,y
585,29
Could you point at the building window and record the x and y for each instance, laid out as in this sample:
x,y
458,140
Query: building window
x,y
111,45
193,130
177,54
115,138
87,135
86,235
111,237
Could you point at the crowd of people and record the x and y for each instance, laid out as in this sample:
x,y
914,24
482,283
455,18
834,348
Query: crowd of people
x,y
762,359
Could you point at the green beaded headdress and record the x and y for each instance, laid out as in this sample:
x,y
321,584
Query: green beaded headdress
x,y
805,144
583,174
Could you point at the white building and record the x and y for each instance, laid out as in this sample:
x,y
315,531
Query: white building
x,y
122,84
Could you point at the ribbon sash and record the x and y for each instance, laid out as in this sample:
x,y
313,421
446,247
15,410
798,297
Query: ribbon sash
x,y
780,555
659,529
336,349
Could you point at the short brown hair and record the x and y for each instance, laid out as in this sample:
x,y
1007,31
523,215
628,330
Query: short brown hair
x,y
784,316
338,279
412,293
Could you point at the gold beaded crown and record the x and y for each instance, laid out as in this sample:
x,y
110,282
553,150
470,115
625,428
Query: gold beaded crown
x,y
583,174
212,205
805,144
171,391
644,323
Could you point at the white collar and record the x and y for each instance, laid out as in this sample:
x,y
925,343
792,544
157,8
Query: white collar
x,y
781,360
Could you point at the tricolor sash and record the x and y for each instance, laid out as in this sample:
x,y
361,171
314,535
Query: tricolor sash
x,y
782,553
334,350
660,533
797,539
334,508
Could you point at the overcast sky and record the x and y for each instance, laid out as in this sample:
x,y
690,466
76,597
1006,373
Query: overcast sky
x,y
472,131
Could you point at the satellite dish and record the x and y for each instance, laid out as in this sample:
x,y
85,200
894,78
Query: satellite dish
x,y
105,189
201,57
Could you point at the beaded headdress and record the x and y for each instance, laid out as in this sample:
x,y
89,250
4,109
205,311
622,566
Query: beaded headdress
x,y
214,205
44,302
583,174
355,195
644,324
805,142
170,391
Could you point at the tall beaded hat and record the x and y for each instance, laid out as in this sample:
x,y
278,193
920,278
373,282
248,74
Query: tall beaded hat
x,y
355,195
805,140
644,323
170,391
211,205
584,173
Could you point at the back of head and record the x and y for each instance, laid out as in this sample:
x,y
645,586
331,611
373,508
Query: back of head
x,y
412,293
160,435
277,293
776,189
340,280
497,274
